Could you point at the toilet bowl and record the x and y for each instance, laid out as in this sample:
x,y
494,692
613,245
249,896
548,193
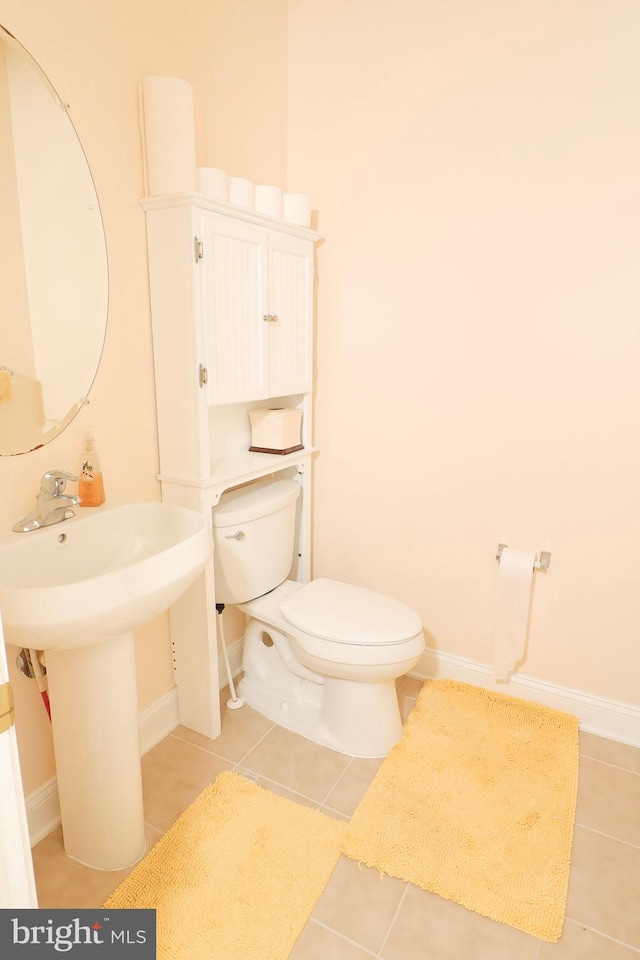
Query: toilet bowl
x,y
319,658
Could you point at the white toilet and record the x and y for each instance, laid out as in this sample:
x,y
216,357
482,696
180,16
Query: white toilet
x,y
319,658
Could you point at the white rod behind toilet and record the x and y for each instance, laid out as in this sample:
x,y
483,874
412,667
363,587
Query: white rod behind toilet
x,y
234,702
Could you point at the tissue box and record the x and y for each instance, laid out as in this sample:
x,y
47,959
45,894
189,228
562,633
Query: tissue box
x,y
275,430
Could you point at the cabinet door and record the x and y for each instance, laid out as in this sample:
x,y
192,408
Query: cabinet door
x,y
290,309
234,305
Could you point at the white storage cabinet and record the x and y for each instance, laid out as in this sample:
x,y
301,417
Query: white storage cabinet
x,y
232,301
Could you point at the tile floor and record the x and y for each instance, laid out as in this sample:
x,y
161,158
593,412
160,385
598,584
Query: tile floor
x,y
361,915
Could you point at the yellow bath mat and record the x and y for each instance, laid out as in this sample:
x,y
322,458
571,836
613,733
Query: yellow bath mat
x,y
236,876
477,804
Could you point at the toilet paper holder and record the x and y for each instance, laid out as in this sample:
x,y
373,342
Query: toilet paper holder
x,y
542,564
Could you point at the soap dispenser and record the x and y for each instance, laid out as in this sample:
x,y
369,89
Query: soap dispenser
x,y
91,484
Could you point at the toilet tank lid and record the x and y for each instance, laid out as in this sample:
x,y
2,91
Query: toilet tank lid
x,y
347,614
253,501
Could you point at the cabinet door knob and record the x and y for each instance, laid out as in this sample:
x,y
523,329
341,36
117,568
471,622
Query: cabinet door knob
x,y
270,318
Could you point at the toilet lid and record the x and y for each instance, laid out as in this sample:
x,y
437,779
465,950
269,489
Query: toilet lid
x,y
347,614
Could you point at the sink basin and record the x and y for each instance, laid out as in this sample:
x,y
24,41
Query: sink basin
x,y
101,573
78,590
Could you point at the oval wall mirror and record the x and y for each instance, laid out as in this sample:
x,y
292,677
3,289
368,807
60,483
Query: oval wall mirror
x,y
53,259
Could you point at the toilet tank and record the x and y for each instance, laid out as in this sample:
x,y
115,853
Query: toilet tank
x,y
253,536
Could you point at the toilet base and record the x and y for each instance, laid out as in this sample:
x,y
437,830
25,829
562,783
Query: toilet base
x,y
360,719
304,711
363,717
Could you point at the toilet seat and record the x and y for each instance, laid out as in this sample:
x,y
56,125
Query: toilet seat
x,y
343,613
392,643
338,623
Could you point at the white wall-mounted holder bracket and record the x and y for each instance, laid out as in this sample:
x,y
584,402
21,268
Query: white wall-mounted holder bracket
x,y
543,563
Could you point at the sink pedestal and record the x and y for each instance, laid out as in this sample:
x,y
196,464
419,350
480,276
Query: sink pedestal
x,y
94,712
77,591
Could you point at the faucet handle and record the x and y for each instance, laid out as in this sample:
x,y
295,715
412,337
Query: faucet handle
x,y
54,481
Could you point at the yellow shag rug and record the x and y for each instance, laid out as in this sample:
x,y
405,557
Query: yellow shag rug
x,y
477,803
236,876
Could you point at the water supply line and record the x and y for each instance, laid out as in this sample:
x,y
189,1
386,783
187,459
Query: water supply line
x,y
41,683
234,702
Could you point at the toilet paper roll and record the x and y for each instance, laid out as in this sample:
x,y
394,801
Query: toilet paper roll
x,y
512,614
168,135
296,209
269,200
213,182
241,192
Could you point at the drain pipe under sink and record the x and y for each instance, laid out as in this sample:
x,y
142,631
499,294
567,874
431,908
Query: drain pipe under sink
x,y
40,681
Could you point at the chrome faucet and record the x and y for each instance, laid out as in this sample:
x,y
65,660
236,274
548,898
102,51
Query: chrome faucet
x,y
52,504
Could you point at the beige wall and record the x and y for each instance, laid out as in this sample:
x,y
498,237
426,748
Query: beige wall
x,y
475,168
234,54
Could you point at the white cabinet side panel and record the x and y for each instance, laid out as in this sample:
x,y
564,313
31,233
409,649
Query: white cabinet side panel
x,y
177,347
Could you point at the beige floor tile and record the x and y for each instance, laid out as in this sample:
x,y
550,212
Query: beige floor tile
x,y
62,882
578,943
430,928
174,773
318,943
604,886
406,706
241,730
352,918
352,785
330,812
359,903
609,800
411,687
281,791
296,763
619,754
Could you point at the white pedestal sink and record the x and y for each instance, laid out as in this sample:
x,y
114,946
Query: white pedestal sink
x,y
78,589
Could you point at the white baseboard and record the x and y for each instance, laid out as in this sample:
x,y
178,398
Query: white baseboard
x,y
156,722
234,652
605,718
43,810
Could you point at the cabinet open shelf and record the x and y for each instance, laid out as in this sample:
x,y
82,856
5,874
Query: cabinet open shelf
x,y
240,468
